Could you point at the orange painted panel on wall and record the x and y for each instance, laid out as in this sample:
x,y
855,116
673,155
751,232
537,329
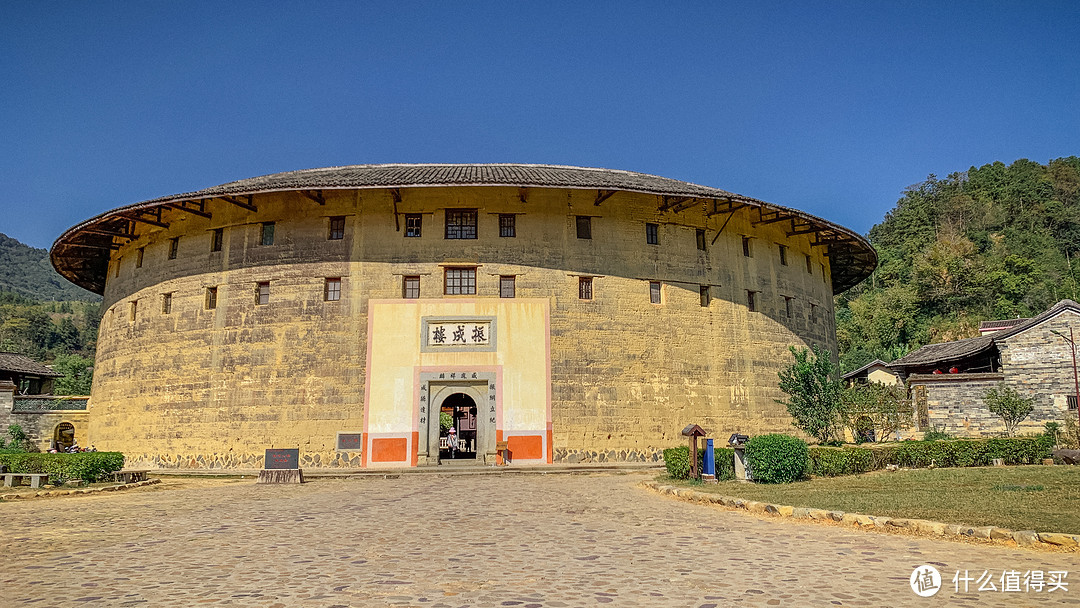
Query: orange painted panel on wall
x,y
389,449
525,447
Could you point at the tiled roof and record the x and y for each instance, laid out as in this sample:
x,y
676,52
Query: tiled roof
x,y
856,372
934,354
998,325
12,362
81,254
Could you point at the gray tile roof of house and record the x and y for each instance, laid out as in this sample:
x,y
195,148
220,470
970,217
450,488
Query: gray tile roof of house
x,y
13,362
81,254
934,354
1002,324
856,372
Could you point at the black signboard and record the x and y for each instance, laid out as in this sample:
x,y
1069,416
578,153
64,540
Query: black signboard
x,y
348,441
282,459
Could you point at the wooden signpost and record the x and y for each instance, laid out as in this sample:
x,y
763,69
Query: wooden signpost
x,y
693,431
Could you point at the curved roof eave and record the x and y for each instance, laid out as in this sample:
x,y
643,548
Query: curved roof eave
x,y
855,255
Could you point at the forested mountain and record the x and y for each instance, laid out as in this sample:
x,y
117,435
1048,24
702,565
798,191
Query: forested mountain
x,y
994,242
26,270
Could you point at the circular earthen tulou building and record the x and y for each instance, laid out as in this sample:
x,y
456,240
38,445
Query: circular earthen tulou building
x,y
565,314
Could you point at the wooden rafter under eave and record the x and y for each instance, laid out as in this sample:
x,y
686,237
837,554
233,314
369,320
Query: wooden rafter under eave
x,y
139,216
197,208
396,195
776,216
667,202
603,195
130,234
724,206
315,195
249,205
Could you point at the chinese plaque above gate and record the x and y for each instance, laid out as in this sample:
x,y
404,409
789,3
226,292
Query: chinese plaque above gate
x,y
465,333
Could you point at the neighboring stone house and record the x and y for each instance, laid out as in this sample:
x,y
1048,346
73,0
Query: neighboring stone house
x,y
26,400
875,371
948,380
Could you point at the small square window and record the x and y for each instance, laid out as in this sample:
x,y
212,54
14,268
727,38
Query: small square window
x,y
809,265
700,239
813,312
654,292
787,306
1071,401
116,270
410,288
139,256
174,246
783,255
166,303
332,290
337,228
746,246
211,298
262,293
133,307
459,282
751,301
507,287
267,234
652,234
584,288
461,223
584,228
507,226
216,239
706,297
413,224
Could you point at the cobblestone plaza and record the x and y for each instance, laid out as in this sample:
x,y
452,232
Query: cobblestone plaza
x,y
471,540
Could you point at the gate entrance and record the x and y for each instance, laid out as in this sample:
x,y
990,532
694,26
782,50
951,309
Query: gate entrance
x,y
457,428
466,402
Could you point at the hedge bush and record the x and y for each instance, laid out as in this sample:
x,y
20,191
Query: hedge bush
x,y
677,462
832,462
88,466
776,458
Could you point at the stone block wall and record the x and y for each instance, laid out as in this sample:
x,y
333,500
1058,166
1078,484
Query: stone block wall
x,y
1039,363
40,427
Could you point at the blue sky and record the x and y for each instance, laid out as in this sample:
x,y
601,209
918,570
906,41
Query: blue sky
x,y
833,108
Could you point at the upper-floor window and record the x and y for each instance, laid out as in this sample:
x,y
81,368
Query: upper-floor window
x,y
332,290
133,307
337,228
262,292
461,223
507,225
116,270
216,239
174,246
507,287
654,292
813,312
700,239
460,282
584,227
824,277
783,255
809,265
746,246
211,298
266,235
787,306
706,296
413,224
751,301
584,290
652,234
166,303
410,287
139,256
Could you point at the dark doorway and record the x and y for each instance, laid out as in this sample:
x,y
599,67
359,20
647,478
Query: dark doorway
x,y
459,411
64,436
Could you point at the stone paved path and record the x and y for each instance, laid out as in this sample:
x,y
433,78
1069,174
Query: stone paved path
x,y
525,541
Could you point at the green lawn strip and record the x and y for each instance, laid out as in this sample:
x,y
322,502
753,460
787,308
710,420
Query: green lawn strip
x,y
1040,498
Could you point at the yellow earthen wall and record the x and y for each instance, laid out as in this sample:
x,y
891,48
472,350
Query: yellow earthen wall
x,y
214,388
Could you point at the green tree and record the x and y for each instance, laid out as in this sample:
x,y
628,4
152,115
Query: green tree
x,y
1009,405
813,393
78,375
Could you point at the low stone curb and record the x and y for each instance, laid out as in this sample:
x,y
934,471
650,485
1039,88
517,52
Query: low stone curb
x,y
44,493
993,534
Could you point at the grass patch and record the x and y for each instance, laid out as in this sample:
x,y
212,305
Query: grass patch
x,y
1041,498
